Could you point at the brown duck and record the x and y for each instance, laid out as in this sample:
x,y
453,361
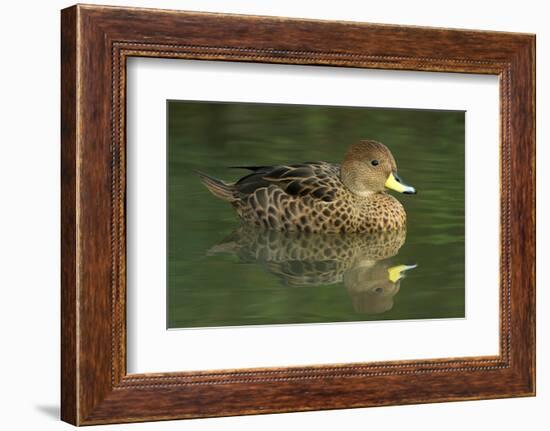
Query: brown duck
x,y
320,196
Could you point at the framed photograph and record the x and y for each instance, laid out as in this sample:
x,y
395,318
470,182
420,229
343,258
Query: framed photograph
x,y
263,214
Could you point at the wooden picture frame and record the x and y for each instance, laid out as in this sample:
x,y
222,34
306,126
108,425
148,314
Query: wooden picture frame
x,y
96,41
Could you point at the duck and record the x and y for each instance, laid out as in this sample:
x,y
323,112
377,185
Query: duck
x,y
320,196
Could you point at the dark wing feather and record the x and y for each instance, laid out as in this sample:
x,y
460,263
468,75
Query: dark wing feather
x,y
314,179
250,168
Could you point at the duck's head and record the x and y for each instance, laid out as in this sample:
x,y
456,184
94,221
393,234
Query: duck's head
x,y
369,167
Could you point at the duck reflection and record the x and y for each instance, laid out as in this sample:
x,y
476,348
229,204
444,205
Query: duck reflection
x,y
363,263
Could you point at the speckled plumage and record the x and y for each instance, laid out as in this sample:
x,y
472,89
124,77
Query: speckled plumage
x,y
318,196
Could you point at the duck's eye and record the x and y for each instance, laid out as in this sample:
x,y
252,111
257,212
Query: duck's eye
x,y
374,163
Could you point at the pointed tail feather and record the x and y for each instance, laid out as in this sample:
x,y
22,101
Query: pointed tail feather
x,y
250,168
217,187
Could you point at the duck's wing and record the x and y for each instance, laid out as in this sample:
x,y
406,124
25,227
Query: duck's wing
x,y
316,179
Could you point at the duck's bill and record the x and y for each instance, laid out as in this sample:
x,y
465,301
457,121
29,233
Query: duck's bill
x,y
396,273
395,183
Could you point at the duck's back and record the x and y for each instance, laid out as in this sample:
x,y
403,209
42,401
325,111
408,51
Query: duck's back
x,y
318,179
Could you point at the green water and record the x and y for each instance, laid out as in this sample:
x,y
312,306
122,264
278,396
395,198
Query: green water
x,y
221,276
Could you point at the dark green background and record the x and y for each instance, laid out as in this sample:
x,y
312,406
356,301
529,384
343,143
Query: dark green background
x,y
221,291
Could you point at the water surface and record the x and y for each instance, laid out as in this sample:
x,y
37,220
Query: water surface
x,y
223,274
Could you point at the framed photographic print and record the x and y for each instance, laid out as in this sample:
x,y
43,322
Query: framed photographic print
x,y
264,214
